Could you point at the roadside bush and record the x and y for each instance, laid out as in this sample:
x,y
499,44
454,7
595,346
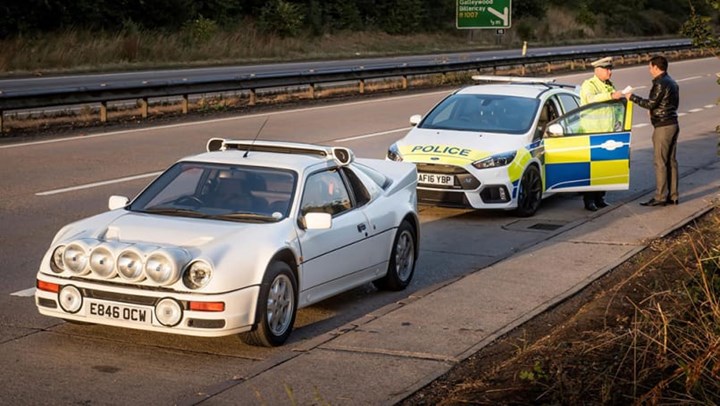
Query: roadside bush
x,y
199,30
281,17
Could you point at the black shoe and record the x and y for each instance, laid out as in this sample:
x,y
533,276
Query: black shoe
x,y
672,202
601,203
653,202
590,206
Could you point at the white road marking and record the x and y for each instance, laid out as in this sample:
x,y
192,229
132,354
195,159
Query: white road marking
x,y
641,125
359,137
95,184
695,110
220,120
147,175
709,106
682,114
24,293
690,78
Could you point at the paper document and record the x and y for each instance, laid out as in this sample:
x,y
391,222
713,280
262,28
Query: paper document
x,y
627,90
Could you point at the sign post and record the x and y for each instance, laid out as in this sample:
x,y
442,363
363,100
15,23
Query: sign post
x,y
472,14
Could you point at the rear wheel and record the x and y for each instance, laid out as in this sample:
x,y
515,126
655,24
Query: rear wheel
x,y
530,193
276,307
402,260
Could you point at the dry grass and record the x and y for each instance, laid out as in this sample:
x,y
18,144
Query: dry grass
x,y
75,50
650,334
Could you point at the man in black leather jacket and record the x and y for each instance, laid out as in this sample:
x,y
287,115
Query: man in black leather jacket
x,y
663,103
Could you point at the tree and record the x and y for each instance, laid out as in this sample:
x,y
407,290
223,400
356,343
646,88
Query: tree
x,y
699,28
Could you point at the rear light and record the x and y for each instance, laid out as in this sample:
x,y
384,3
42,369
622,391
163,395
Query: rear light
x,y
48,287
207,306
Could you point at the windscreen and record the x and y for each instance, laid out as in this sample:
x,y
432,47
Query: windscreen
x,y
483,113
223,192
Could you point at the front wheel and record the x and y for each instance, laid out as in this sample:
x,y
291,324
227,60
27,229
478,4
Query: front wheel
x,y
402,260
530,193
276,307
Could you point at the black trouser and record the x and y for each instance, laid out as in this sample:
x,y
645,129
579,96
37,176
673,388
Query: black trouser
x,y
593,197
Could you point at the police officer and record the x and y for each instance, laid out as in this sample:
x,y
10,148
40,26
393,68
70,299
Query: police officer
x,y
596,89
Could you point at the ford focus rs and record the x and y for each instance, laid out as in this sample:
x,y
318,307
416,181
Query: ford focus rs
x,y
507,146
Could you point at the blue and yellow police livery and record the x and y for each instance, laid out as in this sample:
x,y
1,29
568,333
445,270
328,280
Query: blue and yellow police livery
x,y
506,146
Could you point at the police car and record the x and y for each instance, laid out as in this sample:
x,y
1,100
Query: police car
x,y
234,240
508,145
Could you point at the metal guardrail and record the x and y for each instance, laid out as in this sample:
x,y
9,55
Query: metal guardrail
x,y
111,93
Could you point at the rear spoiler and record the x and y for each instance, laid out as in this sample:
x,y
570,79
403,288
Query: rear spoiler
x,y
341,155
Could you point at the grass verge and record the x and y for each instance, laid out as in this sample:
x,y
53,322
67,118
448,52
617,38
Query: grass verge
x,y
646,333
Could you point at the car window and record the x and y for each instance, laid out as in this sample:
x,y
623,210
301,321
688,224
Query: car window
x,y
595,118
219,191
184,183
325,192
359,191
483,113
548,113
569,102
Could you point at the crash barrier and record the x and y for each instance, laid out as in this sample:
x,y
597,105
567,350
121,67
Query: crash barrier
x,y
142,92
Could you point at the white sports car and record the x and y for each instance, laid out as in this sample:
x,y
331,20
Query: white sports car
x,y
494,146
235,240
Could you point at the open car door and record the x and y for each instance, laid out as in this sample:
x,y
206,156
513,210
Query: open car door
x,y
589,148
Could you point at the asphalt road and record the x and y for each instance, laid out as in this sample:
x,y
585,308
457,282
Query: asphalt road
x,y
51,183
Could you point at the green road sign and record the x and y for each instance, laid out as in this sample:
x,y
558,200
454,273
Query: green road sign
x,y
483,13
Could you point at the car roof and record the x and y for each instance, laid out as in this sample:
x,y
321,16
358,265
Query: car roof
x,y
513,89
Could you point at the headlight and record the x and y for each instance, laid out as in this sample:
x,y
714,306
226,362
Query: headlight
x,y
130,265
76,257
160,268
102,262
70,299
495,160
393,153
168,312
56,261
197,275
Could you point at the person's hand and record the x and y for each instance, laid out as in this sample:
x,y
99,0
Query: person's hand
x,y
616,95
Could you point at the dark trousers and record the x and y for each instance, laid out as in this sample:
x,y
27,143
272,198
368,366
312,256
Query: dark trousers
x,y
593,197
666,169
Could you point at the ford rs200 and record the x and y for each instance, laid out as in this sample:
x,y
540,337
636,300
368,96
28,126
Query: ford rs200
x,y
236,239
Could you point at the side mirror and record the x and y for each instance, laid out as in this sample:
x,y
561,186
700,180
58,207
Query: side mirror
x,y
555,130
318,221
415,119
117,202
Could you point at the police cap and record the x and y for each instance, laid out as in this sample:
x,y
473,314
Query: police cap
x,y
606,62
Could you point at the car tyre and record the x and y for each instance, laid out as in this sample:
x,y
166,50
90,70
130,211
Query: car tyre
x,y
401,266
276,307
530,193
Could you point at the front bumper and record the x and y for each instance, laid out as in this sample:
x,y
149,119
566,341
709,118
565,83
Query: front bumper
x,y
135,308
479,189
